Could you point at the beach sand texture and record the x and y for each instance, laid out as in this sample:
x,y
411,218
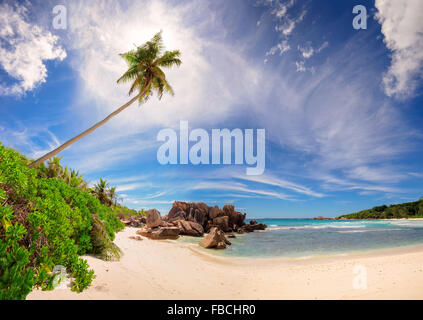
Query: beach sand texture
x,y
152,269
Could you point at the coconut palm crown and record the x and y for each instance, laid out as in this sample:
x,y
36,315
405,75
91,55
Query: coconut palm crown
x,y
144,68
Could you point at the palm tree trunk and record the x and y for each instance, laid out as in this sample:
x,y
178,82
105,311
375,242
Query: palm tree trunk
x,y
86,132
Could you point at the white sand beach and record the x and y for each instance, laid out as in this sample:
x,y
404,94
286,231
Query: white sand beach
x,y
152,269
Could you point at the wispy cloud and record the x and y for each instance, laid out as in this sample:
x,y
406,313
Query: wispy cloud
x,y
307,51
285,24
284,184
35,141
338,184
132,186
235,186
280,47
376,174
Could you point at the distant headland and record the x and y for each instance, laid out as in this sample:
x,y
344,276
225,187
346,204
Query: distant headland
x,y
408,210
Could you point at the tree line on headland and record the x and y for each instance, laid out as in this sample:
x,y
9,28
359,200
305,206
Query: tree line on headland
x,y
395,211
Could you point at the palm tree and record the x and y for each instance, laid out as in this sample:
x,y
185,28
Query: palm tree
x,y
145,74
77,180
113,195
101,191
54,169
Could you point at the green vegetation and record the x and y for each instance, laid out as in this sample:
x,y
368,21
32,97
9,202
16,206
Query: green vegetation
x,y
404,210
48,217
124,212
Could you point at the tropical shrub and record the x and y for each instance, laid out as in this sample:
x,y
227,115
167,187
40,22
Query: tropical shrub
x,y
44,222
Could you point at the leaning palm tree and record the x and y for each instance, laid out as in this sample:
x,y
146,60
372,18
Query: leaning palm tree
x,y
145,75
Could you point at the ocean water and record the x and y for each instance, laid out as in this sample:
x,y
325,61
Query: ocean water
x,y
304,237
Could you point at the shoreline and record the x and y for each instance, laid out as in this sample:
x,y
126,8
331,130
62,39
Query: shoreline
x,y
298,260
171,270
374,252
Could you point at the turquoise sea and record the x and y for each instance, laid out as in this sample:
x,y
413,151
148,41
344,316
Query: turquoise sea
x,y
305,237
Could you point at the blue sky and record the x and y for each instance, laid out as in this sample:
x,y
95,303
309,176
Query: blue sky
x,y
342,108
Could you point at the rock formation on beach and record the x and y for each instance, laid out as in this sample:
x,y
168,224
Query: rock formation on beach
x,y
195,219
215,239
133,221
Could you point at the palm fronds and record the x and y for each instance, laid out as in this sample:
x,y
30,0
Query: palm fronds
x,y
144,68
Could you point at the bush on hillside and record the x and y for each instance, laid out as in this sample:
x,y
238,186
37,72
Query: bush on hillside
x,y
44,222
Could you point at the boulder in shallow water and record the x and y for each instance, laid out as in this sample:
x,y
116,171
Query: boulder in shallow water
x,y
253,226
215,239
103,246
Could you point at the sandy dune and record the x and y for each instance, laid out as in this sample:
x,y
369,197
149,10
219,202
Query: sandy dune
x,y
167,269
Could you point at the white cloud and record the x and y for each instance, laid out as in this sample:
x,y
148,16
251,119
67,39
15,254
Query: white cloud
x,y
308,51
281,47
281,9
240,187
289,24
402,27
132,186
300,66
375,174
338,184
286,24
23,137
23,49
416,174
281,183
